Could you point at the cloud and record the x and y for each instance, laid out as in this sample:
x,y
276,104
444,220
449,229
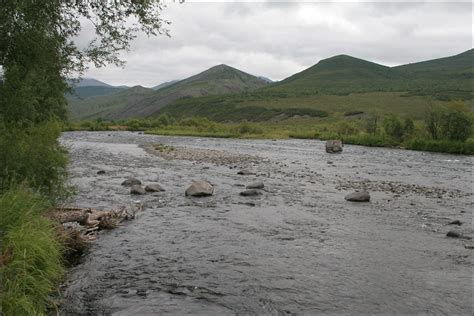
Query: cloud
x,y
278,39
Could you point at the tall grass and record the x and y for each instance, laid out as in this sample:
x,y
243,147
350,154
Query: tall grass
x,y
31,253
445,146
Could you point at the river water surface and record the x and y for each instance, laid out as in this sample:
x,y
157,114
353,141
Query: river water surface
x,y
299,248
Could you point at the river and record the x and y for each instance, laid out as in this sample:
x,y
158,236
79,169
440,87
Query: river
x,y
299,248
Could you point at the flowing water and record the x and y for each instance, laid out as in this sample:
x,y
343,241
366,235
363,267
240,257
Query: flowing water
x,y
297,248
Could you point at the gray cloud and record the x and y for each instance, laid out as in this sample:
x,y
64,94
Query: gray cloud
x,y
276,39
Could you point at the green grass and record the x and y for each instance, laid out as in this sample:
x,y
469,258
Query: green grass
x,y
31,254
444,146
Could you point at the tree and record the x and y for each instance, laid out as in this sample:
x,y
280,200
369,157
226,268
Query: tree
x,y
433,119
456,125
393,127
38,52
371,123
408,127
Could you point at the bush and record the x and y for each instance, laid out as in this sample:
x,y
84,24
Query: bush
x,y
33,155
446,146
247,128
31,253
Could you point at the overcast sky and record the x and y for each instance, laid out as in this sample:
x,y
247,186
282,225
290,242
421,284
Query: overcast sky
x,y
278,39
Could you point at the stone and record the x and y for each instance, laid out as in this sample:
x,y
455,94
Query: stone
x,y
455,222
245,172
199,189
358,196
101,172
255,185
129,181
251,192
154,188
137,189
333,146
453,234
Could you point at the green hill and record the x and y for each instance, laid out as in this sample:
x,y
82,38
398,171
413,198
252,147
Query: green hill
x,y
342,84
340,74
218,80
102,106
85,92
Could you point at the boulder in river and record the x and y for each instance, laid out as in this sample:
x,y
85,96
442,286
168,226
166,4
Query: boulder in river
x,y
200,188
101,172
453,234
255,185
334,146
251,192
154,188
456,222
129,181
358,196
137,189
246,172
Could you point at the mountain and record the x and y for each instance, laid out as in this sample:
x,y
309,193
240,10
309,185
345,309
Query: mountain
x,y
101,106
84,92
89,82
461,63
339,74
343,84
266,79
89,87
164,85
218,80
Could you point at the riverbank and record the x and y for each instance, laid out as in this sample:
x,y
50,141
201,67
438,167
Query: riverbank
x,y
318,129
295,248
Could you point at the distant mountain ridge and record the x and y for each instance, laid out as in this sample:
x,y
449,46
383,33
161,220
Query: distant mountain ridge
x,y
222,89
218,80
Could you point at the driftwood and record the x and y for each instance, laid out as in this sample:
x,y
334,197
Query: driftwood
x,y
80,225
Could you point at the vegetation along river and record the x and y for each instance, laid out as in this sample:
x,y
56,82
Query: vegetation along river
x,y
297,248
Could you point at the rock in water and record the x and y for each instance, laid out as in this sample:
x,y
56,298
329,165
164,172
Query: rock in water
x,y
154,188
358,197
251,192
333,146
200,188
131,181
245,172
455,222
255,185
137,189
101,172
453,234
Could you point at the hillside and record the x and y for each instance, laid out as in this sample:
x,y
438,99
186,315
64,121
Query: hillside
x,y
91,91
218,80
339,74
343,84
164,84
102,106
461,63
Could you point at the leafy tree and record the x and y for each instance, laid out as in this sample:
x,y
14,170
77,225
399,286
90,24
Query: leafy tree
x,y
371,123
408,127
433,121
393,127
456,125
38,52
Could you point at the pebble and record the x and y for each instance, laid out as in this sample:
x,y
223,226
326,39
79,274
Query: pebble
x,y
251,192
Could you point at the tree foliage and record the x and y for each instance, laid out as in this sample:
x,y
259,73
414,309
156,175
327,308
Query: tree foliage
x,y
38,49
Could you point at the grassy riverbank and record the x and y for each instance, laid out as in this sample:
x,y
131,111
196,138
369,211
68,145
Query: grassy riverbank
x,y
30,263
32,181
389,131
